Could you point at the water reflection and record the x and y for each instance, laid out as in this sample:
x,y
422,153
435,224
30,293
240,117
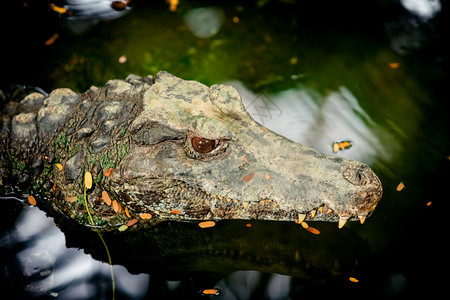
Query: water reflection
x,y
204,22
41,265
308,117
85,14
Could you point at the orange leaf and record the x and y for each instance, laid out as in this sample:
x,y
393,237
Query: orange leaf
x,y
394,65
59,166
207,224
313,230
108,172
400,186
248,177
116,206
127,212
106,198
175,211
31,200
58,9
211,292
353,279
71,199
145,216
52,39
248,225
132,222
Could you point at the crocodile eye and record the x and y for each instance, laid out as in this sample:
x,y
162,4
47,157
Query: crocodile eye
x,y
203,145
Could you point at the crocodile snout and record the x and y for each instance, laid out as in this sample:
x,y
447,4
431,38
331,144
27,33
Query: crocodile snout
x,y
367,188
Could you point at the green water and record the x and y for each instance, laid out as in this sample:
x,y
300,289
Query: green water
x,y
274,47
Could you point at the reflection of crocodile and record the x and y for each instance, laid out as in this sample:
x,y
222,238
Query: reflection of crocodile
x,y
178,150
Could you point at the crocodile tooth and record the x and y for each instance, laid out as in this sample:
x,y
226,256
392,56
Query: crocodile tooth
x,y
321,209
362,219
301,218
342,222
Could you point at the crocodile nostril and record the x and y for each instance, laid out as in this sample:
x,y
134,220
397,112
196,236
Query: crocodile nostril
x,y
358,174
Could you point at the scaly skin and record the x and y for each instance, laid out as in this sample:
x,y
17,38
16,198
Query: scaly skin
x,y
178,151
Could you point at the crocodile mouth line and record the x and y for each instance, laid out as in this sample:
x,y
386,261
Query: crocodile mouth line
x,y
182,201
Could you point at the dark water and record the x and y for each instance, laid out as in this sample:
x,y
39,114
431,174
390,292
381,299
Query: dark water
x,y
373,73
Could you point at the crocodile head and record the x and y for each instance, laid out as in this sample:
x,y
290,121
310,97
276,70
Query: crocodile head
x,y
197,154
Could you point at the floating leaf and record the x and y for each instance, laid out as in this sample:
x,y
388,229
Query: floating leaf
x,y
248,225
132,222
31,200
108,172
353,279
106,198
71,199
127,212
400,186
304,225
145,216
59,166
207,224
58,9
313,230
123,228
88,180
214,292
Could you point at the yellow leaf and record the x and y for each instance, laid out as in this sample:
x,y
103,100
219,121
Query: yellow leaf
x,y
127,212
207,224
400,186
88,180
145,216
123,228
59,166
353,279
